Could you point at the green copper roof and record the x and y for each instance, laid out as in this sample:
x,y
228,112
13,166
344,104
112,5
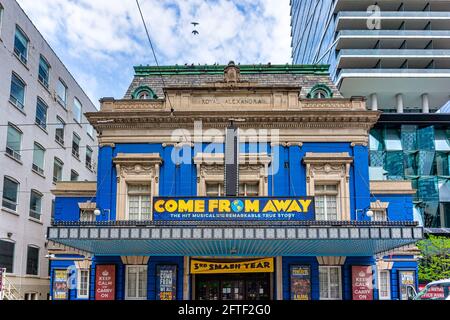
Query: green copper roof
x,y
143,71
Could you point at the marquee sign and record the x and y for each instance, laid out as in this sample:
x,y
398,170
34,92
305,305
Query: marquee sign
x,y
233,208
252,266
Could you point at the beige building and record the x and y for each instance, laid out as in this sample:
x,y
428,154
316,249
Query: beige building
x,y
44,138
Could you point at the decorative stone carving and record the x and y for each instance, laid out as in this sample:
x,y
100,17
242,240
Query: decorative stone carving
x,y
135,168
232,73
330,168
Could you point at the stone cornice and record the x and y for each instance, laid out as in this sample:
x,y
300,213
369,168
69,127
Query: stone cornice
x,y
75,189
129,159
391,187
220,119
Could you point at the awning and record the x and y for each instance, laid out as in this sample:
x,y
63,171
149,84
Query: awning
x,y
233,240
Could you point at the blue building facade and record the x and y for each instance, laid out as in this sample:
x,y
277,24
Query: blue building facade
x,y
305,222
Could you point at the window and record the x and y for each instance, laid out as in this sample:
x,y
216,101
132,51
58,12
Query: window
x,y
83,284
214,189
57,170
320,91
21,45
384,285
143,93
74,175
87,216
38,158
76,146
7,255
13,141
35,204
44,71
59,131
31,296
136,283
17,94
52,212
246,189
77,107
32,260
88,157
249,189
326,202
10,193
330,283
90,130
41,113
379,215
61,92
139,202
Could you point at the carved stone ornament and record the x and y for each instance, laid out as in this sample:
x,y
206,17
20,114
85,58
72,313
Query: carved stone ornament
x,y
232,73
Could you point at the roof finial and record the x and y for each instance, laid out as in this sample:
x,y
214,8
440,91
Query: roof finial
x,y
232,73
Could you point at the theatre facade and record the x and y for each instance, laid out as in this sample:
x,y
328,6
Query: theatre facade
x,y
237,182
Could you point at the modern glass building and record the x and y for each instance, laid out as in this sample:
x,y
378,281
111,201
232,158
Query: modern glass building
x,y
396,53
416,147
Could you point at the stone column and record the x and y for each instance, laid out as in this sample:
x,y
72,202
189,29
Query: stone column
x,y
399,99
374,101
425,103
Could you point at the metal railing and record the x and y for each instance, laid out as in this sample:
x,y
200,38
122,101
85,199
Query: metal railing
x,y
9,291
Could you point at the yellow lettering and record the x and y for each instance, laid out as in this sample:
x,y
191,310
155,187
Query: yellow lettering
x,y
159,206
171,206
251,206
305,204
213,204
185,206
269,207
282,205
200,206
224,206
294,207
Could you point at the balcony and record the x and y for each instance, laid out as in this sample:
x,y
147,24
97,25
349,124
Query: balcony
x,y
390,5
393,20
218,238
392,39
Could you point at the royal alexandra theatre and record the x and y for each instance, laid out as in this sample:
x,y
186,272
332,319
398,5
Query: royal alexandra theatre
x,y
231,183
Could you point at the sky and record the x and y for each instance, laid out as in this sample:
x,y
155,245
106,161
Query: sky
x,y
100,41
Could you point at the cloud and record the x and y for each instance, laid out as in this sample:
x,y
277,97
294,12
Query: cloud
x,y
103,39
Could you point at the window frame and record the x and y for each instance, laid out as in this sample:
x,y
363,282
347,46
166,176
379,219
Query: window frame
x,y
28,260
16,204
44,82
89,165
16,154
14,100
42,123
340,287
32,211
388,297
19,55
326,194
58,97
35,167
12,256
62,139
72,172
76,153
2,9
79,282
58,161
127,267
80,115
140,195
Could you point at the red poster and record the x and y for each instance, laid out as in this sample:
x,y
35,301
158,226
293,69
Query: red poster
x,y
435,292
105,282
362,288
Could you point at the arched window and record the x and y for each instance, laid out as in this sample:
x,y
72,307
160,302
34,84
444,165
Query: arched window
x,y
143,93
320,91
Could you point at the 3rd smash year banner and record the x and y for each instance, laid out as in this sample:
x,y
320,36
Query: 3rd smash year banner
x,y
233,208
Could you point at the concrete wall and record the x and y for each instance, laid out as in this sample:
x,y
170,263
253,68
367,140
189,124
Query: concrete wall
x,y
25,231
